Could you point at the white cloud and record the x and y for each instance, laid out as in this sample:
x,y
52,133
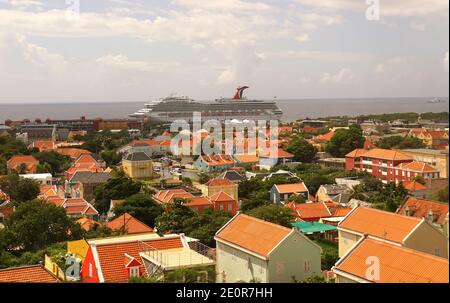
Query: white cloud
x,y
302,38
379,68
124,63
420,27
23,4
387,8
344,75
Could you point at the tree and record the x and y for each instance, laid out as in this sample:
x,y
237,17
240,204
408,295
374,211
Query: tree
x,y
118,187
172,220
299,199
302,150
274,213
53,161
399,142
442,195
111,157
36,224
142,207
204,225
345,141
19,189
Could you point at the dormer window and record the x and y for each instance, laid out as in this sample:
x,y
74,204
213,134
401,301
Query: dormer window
x,y
134,272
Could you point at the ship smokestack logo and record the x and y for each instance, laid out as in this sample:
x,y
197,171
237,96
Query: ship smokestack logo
x,y
240,93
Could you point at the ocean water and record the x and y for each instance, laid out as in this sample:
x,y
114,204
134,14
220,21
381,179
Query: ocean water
x,y
293,109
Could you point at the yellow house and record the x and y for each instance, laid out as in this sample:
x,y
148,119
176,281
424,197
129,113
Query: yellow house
x,y
253,250
215,186
410,232
138,166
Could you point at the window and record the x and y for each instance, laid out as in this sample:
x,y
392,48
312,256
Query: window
x,y
90,270
230,207
134,272
221,207
437,252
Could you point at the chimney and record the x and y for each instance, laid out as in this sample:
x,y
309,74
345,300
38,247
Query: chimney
x,y
407,211
430,216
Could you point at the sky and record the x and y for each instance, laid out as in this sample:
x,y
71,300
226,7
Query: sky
x,y
130,51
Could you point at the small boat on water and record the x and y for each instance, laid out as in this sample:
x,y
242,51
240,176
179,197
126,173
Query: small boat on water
x,y
435,100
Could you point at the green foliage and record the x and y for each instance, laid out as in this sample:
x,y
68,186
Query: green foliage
x,y
329,253
111,158
345,141
302,150
118,187
105,141
19,189
399,142
191,275
56,162
442,195
273,213
142,207
172,220
389,198
36,224
299,199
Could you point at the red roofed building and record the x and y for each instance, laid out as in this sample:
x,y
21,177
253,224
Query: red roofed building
x,y
129,224
23,164
79,207
116,260
198,204
214,163
43,146
224,202
280,193
27,274
215,186
434,212
309,212
325,138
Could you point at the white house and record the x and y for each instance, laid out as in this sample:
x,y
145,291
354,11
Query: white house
x,y
252,250
42,179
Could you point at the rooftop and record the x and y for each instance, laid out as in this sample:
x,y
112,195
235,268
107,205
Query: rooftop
x,y
27,274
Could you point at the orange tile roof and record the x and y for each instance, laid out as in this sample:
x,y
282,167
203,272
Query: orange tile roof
x,y
219,182
44,145
397,264
30,162
291,188
378,223
167,196
414,186
221,197
253,234
438,134
72,152
243,158
356,153
86,159
150,142
280,153
79,207
417,167
386,154
111,255
87,223
218,160
27,274
326,137
308,211
420,208
198,201
130,224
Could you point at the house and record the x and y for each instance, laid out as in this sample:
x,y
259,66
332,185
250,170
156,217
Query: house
x,y
44,146
72,153
83,184
138,166
334,192
79,208
406,231
395,264
27,274
414,187
117,259
246,159
85,162
325,138
250,250
42,179
222,201
215,186
281,193
23,164
198,204
431,138
269,159
87,224
232,175
267,176
129,224
434,212
214,163
168,196
309,212
389,165
436,158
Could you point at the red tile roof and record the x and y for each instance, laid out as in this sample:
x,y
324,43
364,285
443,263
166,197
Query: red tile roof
x,y
16,161
291,188
87,223
111,255
415,166
280,153
309,211
44,145
326,137
197,201
420,208
27,274
414,186
130,224
167,196
221,197
253,234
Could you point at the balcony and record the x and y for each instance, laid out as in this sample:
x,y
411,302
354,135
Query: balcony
x,y
195,255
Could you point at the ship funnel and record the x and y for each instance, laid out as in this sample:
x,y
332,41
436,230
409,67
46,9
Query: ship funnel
x,y
240,92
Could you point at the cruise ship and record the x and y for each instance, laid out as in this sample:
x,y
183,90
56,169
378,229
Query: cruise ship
x,y
238,108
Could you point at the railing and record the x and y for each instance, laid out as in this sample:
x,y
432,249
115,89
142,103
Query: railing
x,y
164,259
